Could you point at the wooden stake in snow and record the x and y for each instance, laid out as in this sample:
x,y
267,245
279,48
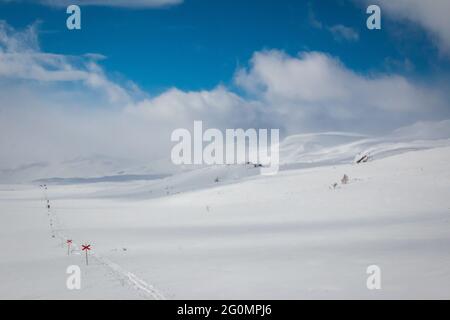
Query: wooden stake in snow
x,y
69,243
86,248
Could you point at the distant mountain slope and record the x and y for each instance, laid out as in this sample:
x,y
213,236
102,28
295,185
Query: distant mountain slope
x,y
296,151
333,148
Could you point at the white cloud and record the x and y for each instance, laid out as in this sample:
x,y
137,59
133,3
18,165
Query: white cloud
x,y
107,3
341,32
431,15
315,90
317,78
309,92
219,108
52,107
21,59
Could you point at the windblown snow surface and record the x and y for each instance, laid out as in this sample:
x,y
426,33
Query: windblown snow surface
x,y
288,236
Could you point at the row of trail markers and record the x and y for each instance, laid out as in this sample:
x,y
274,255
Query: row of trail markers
x,y
85,247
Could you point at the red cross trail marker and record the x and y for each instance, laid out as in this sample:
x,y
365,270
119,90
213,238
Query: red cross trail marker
x,y
69,243
86,248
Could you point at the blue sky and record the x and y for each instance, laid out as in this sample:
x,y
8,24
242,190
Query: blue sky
x,y
297,66
199,44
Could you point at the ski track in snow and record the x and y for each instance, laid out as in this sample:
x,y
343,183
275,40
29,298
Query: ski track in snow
x,y
146,290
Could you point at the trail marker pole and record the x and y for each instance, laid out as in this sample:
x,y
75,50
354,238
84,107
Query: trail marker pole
x,y
86,248
69,243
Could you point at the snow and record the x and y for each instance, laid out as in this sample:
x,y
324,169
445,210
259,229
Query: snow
x,y
288,236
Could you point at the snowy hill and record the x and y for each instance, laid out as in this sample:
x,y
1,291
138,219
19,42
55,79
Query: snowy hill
x,y
336,148
287,236
161,178
296,151
92,169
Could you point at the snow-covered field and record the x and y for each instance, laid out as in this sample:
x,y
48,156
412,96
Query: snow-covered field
x,y
290,236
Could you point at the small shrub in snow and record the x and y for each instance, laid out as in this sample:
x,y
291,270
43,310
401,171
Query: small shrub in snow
x,y
345,179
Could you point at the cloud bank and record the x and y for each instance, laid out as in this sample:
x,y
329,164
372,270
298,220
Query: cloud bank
x,y
315,91
56,107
